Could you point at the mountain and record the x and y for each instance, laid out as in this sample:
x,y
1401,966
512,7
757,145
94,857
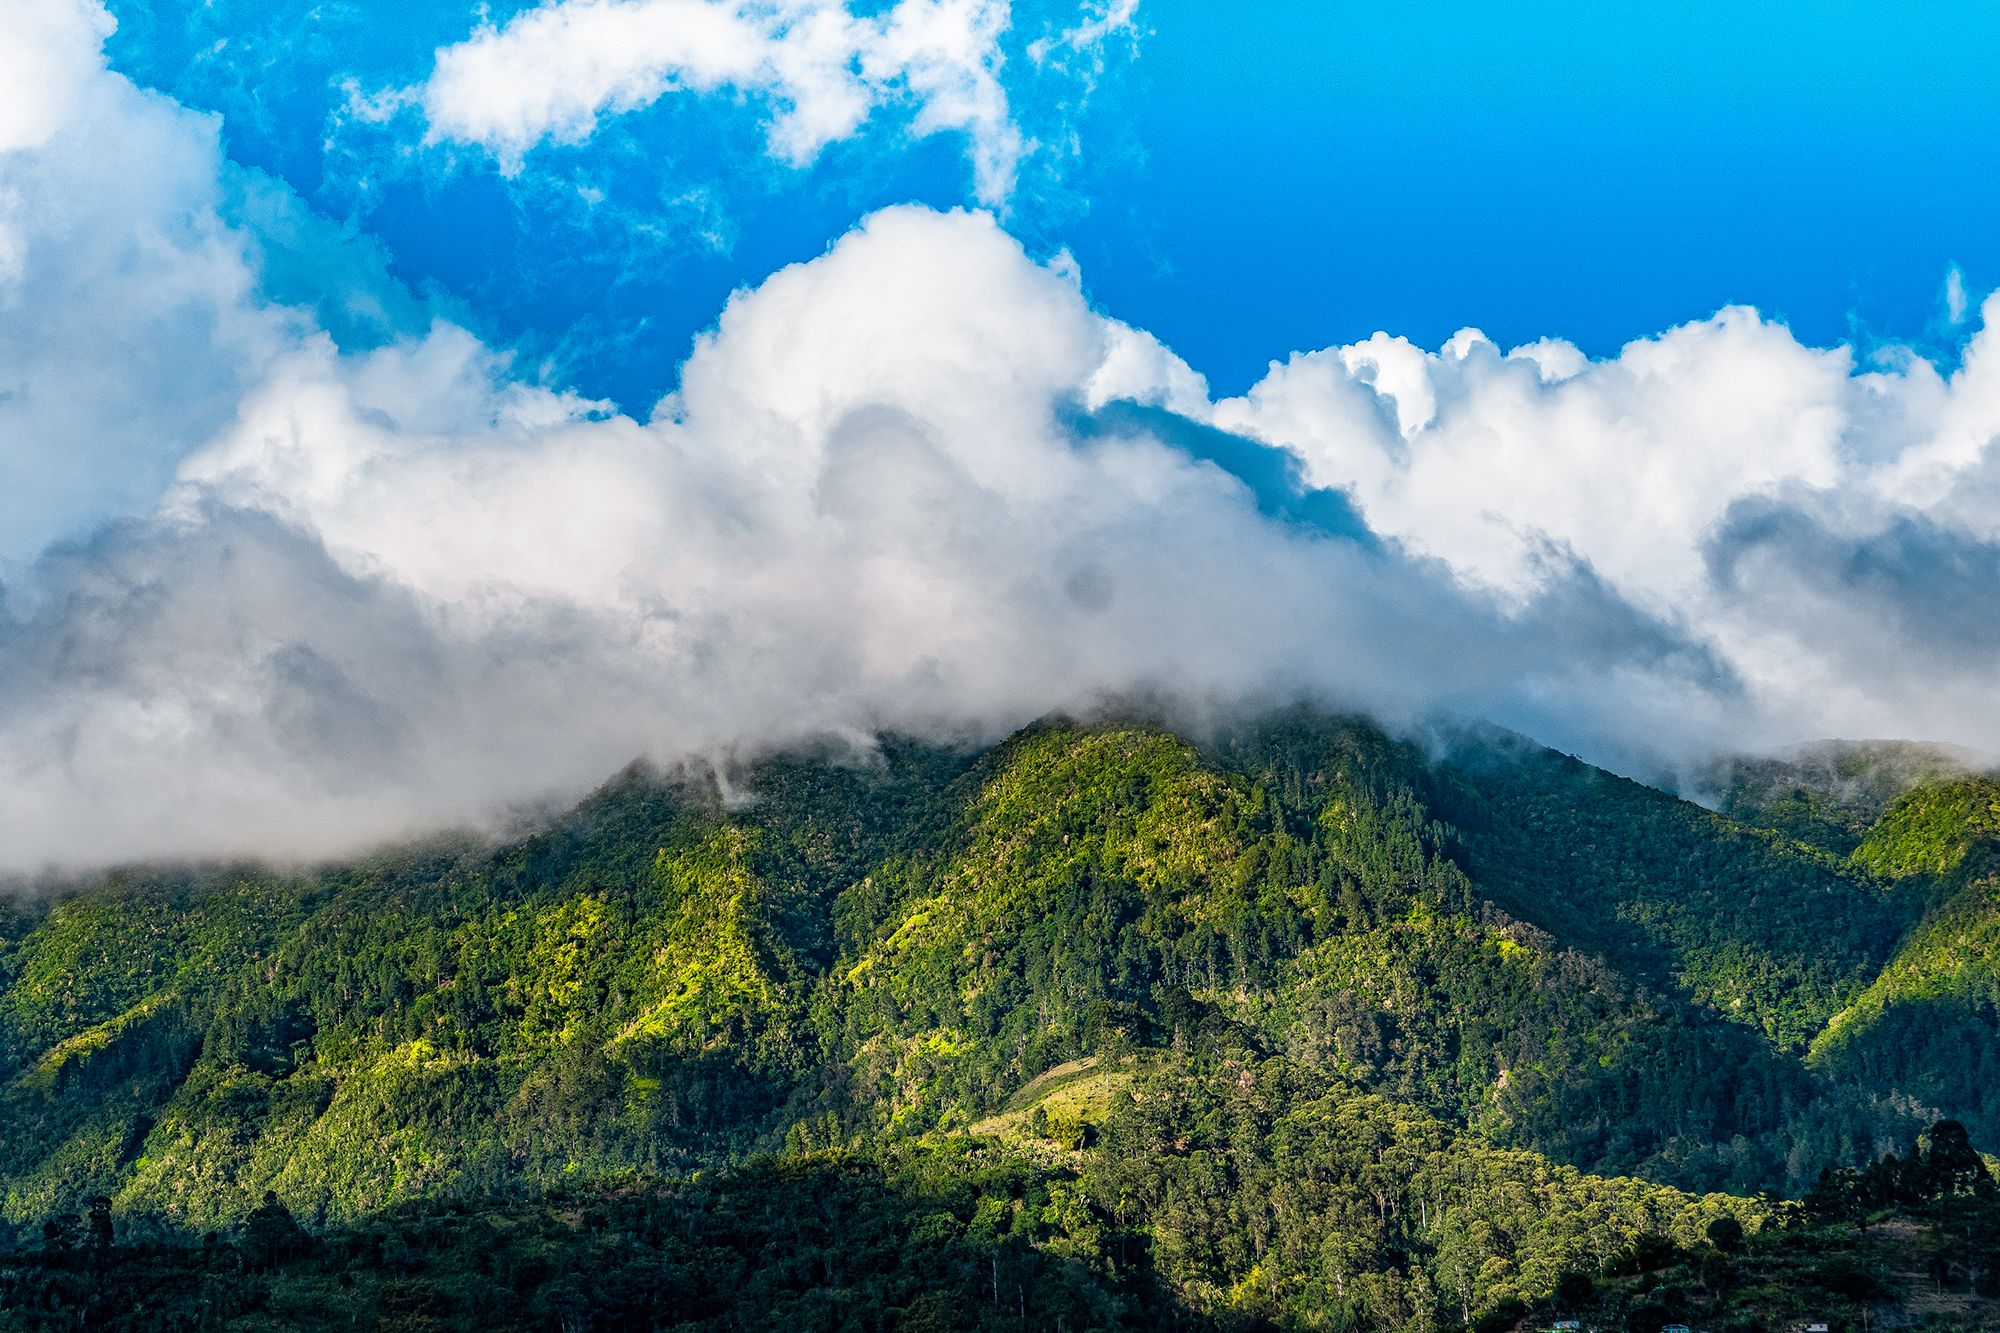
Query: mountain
x,y
1925,1026
1289,1022
1828,793
1923,820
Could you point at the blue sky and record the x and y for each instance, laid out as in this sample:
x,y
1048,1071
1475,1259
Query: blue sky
x,y
1590,171
1251,180
409,412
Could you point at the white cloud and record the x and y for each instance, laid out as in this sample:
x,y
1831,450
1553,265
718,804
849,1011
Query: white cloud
x,y
1101,23
552,73
400,589
1094,30
1652,466
917,482
867,504
1475,455
129,320
1956,303
49,51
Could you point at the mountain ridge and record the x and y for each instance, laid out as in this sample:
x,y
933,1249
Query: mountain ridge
x,y
1525,962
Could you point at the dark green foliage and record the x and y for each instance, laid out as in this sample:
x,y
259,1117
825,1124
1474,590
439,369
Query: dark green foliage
x,y
953,1236
1943,1165
270,1235
1762,930
1223,1196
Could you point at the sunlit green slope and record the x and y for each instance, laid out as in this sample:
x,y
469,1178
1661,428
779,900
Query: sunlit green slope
x,y
1522,949
1929,1025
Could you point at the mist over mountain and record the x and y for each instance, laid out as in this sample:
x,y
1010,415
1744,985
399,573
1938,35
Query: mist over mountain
x,y
1828,793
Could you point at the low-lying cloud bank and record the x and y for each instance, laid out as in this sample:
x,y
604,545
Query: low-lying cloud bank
x,y
917,483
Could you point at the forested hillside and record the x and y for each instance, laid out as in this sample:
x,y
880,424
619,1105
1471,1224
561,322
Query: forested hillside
x,y
1104,1025
1829,793
1925,1026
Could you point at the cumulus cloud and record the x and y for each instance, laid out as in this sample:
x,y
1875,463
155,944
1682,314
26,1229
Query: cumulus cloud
x,y
51,53
824,69
130,324
1824,525
917,483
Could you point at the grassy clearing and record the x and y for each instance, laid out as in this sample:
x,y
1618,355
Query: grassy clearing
x,y
1075,1093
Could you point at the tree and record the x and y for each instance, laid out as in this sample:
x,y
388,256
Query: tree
x,y
270,1236
62,1235
98,1227
1954,1168
1574,1290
